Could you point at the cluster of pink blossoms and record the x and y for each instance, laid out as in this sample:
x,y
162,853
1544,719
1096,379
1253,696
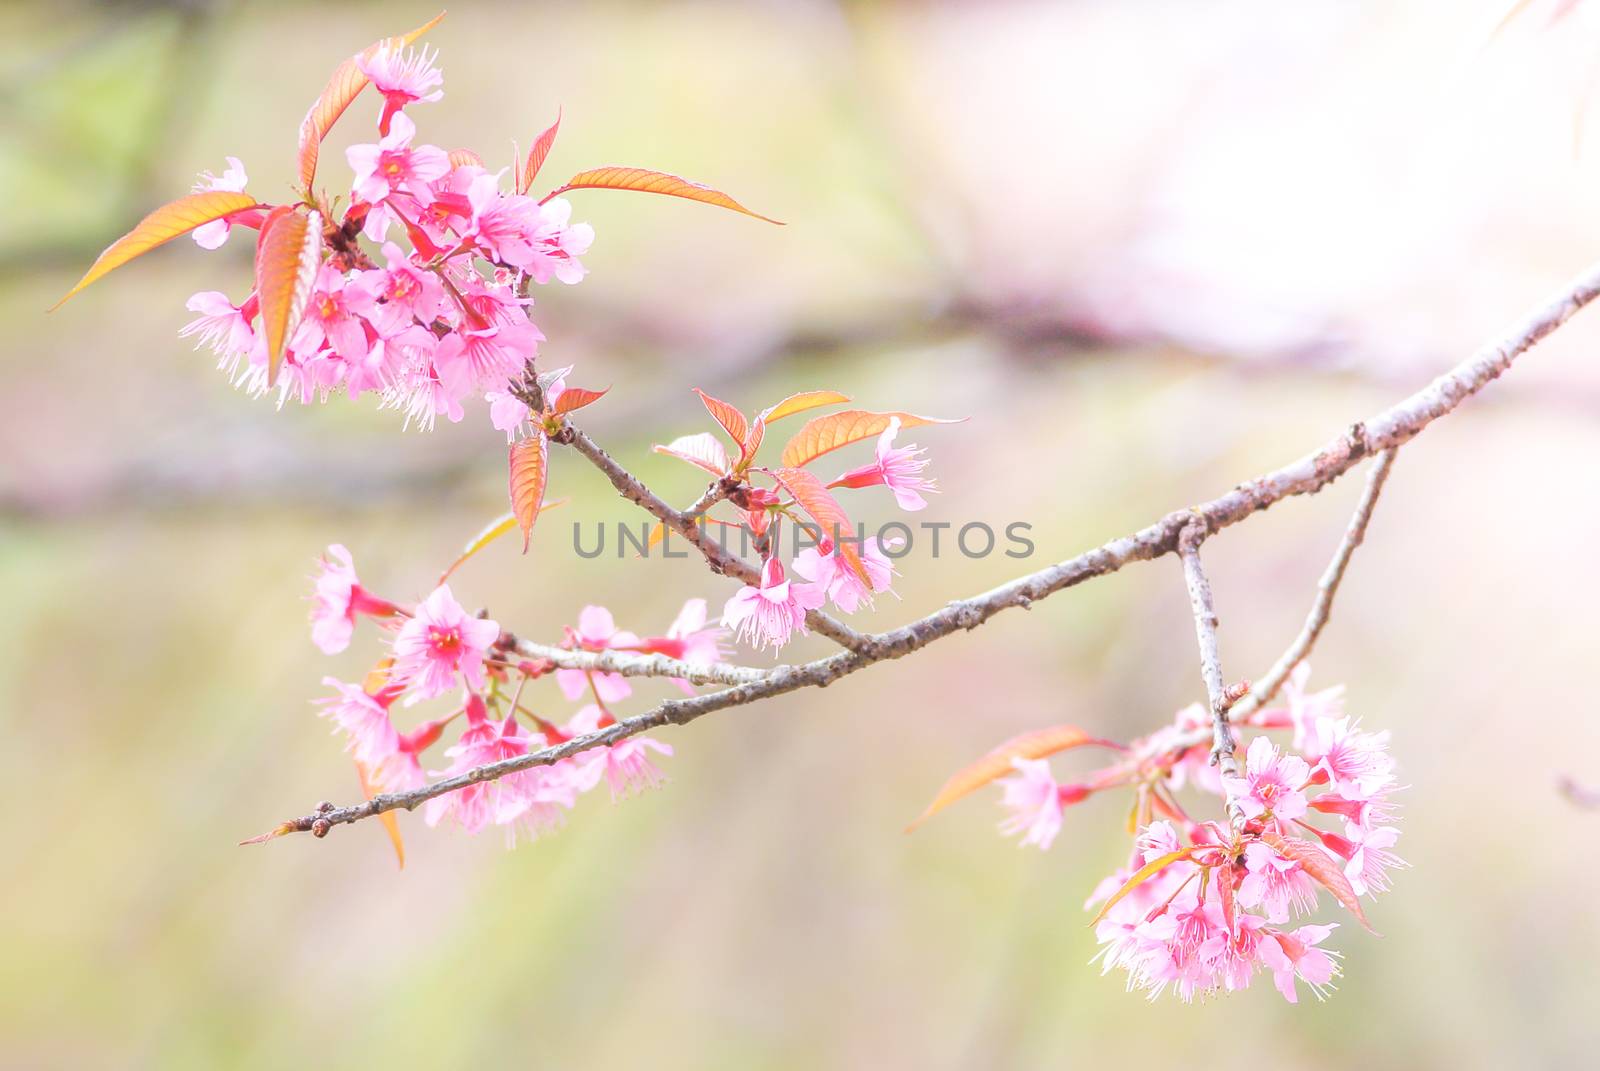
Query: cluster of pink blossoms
x,y
1201,906
437,650
445,315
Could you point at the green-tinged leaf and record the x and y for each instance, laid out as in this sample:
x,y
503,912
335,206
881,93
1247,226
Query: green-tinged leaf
x,y
529,471
644,181
572,399
1323,869
161,226
996,764
492,531
536,156
823,434
799,403
732,421
836,525
701,449
1140,876
288,254
343,87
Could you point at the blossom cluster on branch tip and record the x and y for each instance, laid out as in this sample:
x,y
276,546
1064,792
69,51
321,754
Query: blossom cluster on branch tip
x,y
437,650
1203,905
438,319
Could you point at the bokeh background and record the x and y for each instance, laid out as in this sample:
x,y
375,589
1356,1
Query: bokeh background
x,y
1150,247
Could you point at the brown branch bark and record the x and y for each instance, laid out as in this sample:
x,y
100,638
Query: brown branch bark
x,y
1383,431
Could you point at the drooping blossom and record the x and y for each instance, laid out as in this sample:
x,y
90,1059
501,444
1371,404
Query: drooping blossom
x,y
1275,884
1307,708
1034,800
1370,859
1353,761
337,597
441,643
498,802
898,468
626,766
1272,784
597,631
768,615
829,572
221,325
212,235
1295,955
388,757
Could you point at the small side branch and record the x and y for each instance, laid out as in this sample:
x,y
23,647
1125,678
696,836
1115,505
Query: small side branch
x,y
1267,687
630,664
1205,629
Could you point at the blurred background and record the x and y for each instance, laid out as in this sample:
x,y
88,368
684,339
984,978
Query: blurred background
x,y
1151,248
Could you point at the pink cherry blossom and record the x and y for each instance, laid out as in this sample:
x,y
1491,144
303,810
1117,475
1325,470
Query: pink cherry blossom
x,y
393,166
335,316
507,413
336,600
1370,860
829,572
626,766
1307,708
500,801
1272,783
222,326
768,615
1034,799
555,245
1354,761
440,642
408,293
404,76
597,631
1275,884
1294,955
212,235
899,468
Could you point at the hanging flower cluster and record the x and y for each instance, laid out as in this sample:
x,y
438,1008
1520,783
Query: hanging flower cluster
x,y
1204,904
437,650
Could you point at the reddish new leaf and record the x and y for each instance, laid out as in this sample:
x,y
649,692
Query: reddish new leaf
x,y
1323,869
288,254
643,181
1140,876
997,763
702,449
391,825
799,403
164,224
752,439
574,398
529,471
732,421
536,156
829,515
343,87
823,434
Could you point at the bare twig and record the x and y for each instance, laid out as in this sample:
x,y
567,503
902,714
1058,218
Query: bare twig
x,y
1382,432
1267,687
1205,630
630,664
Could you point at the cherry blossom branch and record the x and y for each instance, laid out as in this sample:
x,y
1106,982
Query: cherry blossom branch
x,y
631,664
1328,586
1381,433
717,556
1205,630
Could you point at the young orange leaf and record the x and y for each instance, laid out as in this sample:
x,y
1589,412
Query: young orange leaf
x,y
799,403
829,515
343,87
161,226
644,181
702,449
1322,867
390,824
752,439
575,398
823,434
529,471
288,254
1140,876
377,678
997,763
465,158
536,156
732,421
